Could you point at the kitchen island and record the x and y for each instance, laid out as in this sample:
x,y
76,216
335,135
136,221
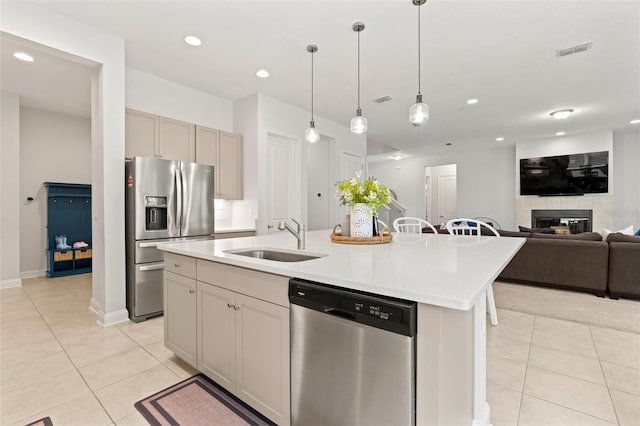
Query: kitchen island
x,y
447,276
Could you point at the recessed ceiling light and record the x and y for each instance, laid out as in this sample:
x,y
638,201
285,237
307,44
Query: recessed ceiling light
x,y
397,157
560,133
472,101
500,139
262,73
192,41
23,56
635,121
561,114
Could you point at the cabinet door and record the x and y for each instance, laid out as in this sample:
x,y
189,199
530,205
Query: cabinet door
x,y
177,140
207,145
230,165
216,334
262,353
180,316
140,134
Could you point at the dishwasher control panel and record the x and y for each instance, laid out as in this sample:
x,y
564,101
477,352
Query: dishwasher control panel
x,y
371,309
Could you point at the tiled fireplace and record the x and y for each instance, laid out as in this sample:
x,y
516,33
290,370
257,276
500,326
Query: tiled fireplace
x,y
577,220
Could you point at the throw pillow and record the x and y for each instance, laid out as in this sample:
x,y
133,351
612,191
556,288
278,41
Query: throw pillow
x,y
626,231
637,234
538,230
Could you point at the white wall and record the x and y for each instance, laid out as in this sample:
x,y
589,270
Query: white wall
x,y
9,195
626,178
600,204
485,184
148,93
53,148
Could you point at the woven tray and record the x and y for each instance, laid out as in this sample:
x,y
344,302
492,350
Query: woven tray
x,y
380,239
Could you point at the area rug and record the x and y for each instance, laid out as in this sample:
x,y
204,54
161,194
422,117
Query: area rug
x,y
45,421
198,401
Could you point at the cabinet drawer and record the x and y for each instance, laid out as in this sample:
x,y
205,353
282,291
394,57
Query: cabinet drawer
x,y
261,285
181,265
83,254
59,256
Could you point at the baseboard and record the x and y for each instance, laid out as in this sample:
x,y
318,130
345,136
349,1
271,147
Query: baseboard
x,y
111,318
16,282
33,274
485,417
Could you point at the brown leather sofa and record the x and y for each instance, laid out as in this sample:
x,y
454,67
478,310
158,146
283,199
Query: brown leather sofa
x,y
575,262
624,266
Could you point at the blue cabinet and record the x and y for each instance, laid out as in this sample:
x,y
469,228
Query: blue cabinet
x,y
68,214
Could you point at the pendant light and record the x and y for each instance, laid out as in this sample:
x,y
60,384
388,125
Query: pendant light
x,y
418,112
312,135
358,122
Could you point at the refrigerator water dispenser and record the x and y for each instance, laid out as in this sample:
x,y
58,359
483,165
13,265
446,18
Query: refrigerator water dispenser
x,y
156,213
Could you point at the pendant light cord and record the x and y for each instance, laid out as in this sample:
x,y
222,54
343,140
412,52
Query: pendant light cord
x,y
311,86
359,69
419,50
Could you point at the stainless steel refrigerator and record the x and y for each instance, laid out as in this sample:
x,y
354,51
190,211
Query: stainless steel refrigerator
x,y
166,201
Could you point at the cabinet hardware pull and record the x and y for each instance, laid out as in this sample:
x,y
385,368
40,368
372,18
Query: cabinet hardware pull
x,y
191,291
236,307
229,305
176,265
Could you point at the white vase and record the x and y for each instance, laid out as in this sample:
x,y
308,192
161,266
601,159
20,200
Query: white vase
x,y
361,220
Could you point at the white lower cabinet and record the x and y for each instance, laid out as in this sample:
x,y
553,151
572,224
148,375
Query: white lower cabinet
x,y
180,316
243,345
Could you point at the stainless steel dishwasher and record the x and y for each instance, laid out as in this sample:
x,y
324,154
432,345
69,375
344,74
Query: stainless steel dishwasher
x,y
352,357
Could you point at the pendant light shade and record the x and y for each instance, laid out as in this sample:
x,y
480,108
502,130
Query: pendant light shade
x,y
312,135
418,112
358,122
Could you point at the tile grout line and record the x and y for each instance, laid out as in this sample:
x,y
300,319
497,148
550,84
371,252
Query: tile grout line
x,y
70,360
615,411
526,370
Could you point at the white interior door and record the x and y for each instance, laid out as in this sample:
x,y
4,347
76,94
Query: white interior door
x,y
446,198
283,181
319,193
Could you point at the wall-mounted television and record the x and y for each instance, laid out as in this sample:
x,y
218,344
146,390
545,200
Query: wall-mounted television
x,y
573,174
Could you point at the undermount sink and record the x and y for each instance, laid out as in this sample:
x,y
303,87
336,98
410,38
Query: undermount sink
x,y
275,255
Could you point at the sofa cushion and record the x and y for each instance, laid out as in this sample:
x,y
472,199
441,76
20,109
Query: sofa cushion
x,y
538,230
622,238
583,236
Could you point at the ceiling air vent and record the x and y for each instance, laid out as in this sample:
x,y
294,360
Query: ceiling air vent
x,y
574,49
382,99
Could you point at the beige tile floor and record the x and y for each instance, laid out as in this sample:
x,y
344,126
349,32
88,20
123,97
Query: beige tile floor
x,y
544,367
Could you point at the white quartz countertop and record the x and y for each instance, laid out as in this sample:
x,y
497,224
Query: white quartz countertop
x,y
442,270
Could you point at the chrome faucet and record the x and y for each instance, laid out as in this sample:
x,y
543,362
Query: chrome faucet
x,y
298,233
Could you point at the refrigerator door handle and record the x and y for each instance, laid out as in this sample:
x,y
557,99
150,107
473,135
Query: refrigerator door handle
x,y
183,180
178,183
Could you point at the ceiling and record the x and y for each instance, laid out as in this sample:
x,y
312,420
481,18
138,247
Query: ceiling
x,y
500,52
